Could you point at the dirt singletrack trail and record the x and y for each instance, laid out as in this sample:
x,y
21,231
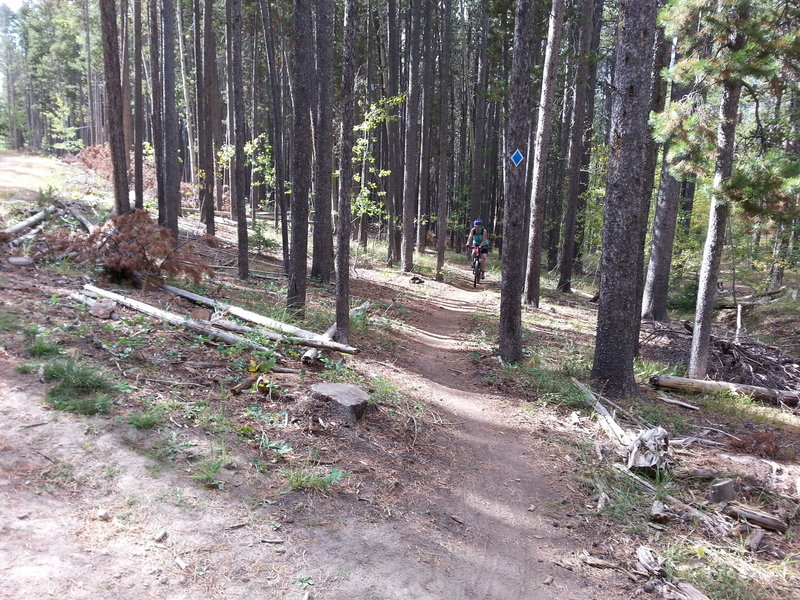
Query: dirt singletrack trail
x,y
483,529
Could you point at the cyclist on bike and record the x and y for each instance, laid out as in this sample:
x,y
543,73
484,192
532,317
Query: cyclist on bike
x,y
479,237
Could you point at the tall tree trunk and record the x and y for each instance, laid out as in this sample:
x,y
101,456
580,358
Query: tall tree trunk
x,y
302,74
429,57
478,179
656,287
172,172
393,132
442,187
205,142
717,221
576,152
510,330
127,120
190,154
87,48
412,138
322,264
588,139
345,173
276,100
237,85
541,148
138,105
157,100
108,22
617,318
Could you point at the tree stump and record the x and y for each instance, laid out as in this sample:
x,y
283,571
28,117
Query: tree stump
x,y
349,400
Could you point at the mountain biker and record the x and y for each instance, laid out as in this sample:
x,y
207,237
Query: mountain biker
x,y
479,236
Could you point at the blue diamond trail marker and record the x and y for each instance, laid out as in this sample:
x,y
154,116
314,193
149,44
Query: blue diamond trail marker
x,y
517,158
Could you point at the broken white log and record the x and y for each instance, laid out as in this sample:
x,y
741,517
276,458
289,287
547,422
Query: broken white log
x,y
271,335
253,317
669,400
31,221
175,319
20,261
649,450
311,355
606,420
788,397
87,224
23,239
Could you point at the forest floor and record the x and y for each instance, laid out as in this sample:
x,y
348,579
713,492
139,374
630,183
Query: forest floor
x,y
465,479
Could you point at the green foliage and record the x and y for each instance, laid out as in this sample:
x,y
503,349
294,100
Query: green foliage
x,y
548,385
207,472
8,321
309,478
147,419
79,389
42,347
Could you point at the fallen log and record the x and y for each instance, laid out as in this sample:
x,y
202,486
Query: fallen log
x,y
277,337
87,224
253,317
756,517
31,221
311,355
175,319
17,242
788,397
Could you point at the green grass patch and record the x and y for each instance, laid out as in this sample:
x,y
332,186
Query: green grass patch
x,y
8,321
43,348
150,418
79,389
310,478
644,369
207,472
548,385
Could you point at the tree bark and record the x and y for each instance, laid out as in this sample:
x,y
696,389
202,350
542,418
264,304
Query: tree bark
x,y
443,188
138,106
108,21
411,154
172,171
238,175
346,139
322,263
510,329
477,180
157,100
429,58
617,318
190,132
575,149
717,221
302,80
541,148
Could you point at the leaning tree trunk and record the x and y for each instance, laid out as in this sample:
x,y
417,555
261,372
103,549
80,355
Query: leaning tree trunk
x,y
393,132
302,72
157,99
541,149
617,318
108,22
322,262
345,173
510,330
443,188
412,142
478,177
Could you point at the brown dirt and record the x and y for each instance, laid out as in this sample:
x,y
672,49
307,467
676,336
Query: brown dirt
x,y
455,492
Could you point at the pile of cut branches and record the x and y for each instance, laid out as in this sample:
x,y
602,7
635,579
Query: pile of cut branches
x,y
132,244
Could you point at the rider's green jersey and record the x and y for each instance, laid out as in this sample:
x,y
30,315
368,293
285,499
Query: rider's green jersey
x,y
479,238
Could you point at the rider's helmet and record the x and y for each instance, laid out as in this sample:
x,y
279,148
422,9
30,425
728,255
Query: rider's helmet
x,y
478,222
